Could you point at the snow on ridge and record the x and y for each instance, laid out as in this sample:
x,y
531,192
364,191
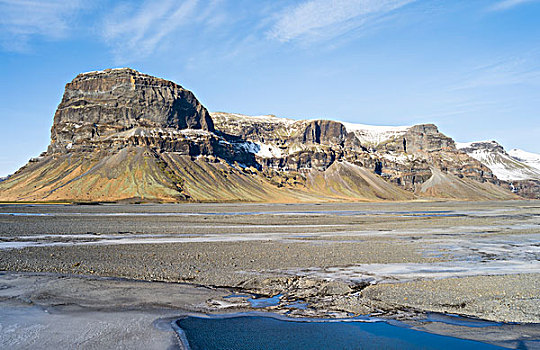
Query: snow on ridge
x,y
368,134
375,134
106,70
380,128
501,163
461,145
529,158
268,118
524,154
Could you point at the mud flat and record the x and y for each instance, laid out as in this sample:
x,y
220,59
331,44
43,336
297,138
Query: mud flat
x,y
48,311
398,261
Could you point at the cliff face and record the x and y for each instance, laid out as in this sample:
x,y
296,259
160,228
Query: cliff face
x,y
403,156
97,105
122,135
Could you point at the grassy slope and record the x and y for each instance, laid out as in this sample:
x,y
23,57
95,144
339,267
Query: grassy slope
x,y
131,173
137,173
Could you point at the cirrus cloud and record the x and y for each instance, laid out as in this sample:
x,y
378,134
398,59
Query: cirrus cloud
x,y
508,4
323,18
23,20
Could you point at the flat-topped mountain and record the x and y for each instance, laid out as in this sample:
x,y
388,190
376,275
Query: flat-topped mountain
x,y
122,135
98,105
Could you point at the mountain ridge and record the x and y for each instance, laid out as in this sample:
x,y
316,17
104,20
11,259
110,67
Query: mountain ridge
x,y
522,174
122,135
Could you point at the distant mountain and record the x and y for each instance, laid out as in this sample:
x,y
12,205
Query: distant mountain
x,y
120,135
505,166
521,169
528,158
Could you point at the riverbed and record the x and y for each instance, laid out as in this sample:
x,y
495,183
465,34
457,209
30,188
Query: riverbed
x,y
397,261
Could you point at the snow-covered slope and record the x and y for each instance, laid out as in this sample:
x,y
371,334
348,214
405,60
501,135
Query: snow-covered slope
x,y
505,166
531,159
261,149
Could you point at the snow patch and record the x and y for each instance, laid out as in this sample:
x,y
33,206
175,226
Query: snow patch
x,y
269,151
375,134
261,149
399,158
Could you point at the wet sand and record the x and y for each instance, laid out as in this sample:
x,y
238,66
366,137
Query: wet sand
x,y
396,260
48,311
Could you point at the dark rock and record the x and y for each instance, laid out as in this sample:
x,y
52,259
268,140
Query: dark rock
x,y
96,105
426,137
325,132
526,188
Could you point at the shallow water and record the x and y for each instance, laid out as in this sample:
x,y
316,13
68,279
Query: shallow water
x,y
264,302
422,213
259,332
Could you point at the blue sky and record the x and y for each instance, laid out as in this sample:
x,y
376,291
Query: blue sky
x,y
472,67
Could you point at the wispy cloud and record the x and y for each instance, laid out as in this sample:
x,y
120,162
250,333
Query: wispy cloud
x,y
21,20
522,70
137,32
316,19
508,4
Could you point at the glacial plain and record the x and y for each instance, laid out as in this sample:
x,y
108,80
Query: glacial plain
x,y
396,261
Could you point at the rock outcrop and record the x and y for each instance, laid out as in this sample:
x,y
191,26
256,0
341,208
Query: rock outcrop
x,y
97,105
121,135
423,137
526,188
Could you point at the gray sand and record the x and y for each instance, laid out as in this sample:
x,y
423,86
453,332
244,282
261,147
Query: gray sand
x,y
395,260
47,311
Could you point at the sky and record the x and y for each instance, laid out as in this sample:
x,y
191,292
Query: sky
x,y
472,67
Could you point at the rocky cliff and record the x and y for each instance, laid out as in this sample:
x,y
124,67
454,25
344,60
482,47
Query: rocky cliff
x,y
122,135
403,156
96,106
